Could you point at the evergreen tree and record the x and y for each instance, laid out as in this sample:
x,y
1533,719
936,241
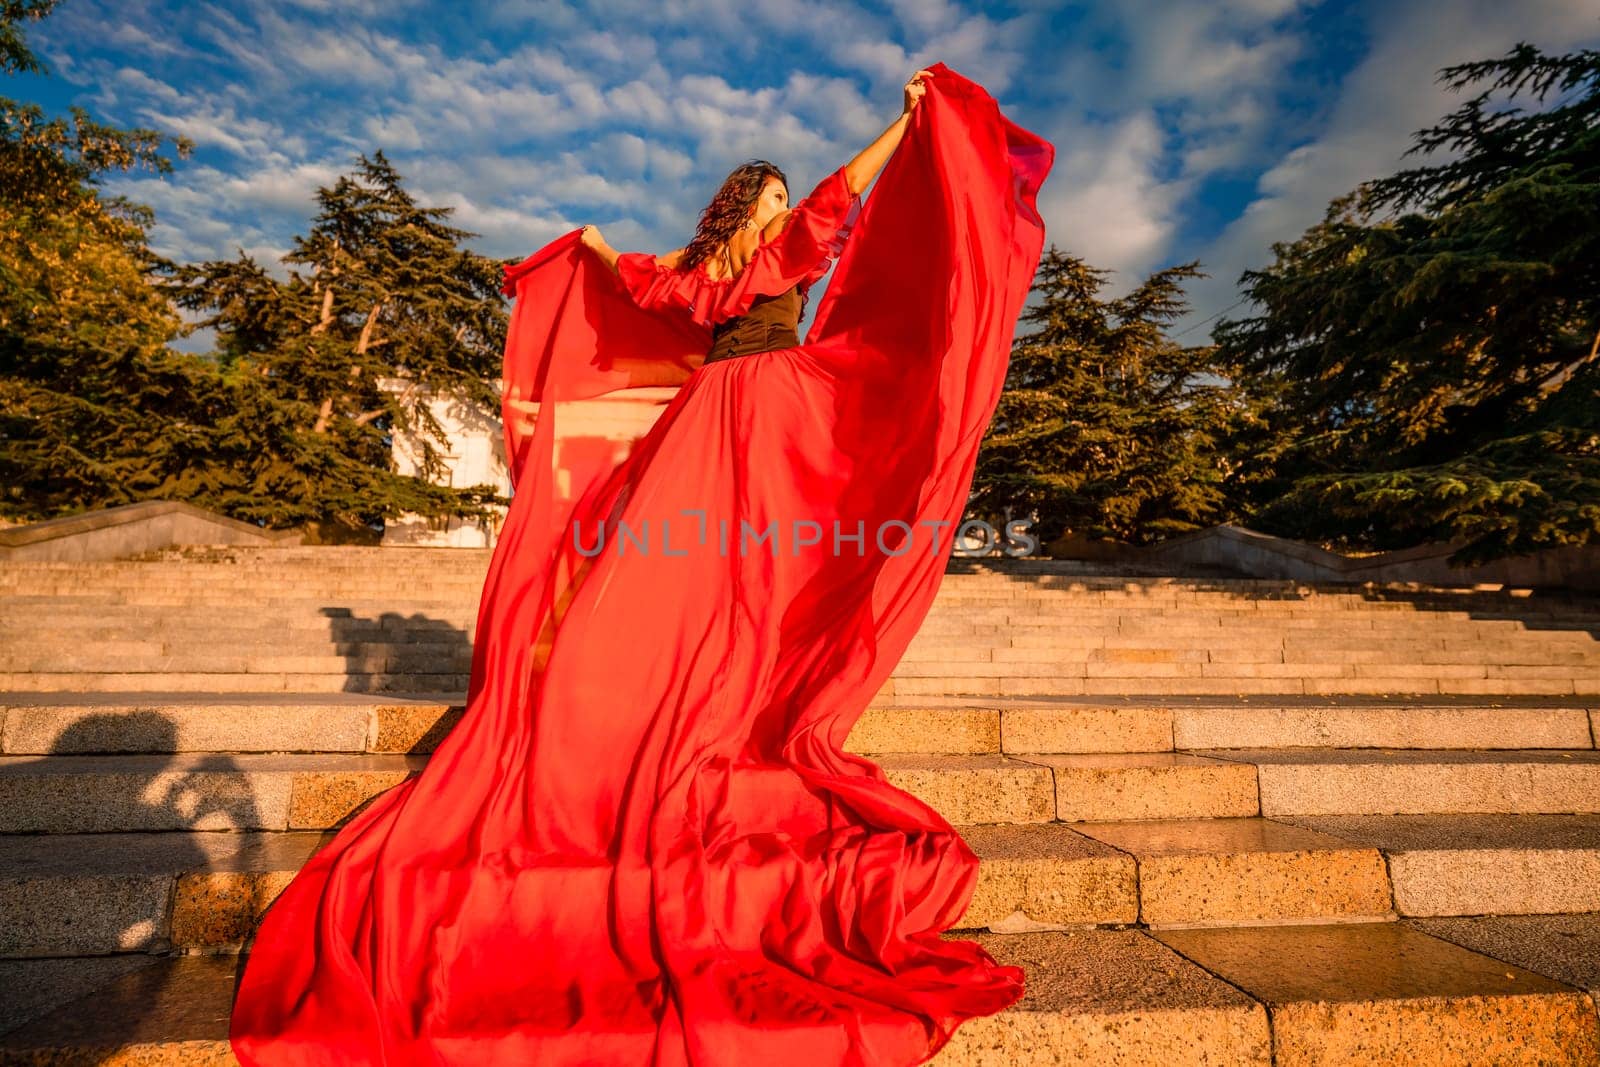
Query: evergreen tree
x,y
286,423
1107,427
1433,341
93,408
387,296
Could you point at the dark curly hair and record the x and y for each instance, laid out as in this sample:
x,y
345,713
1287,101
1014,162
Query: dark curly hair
x,y
728,211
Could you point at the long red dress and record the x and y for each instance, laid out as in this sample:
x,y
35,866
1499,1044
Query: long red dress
x,y
643,842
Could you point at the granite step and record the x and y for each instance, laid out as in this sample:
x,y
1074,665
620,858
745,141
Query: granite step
x,y
452,653
1364,992
148,891
1237,599
312,632
1363,682
209,791
102,793
1314,681
265,682
397,582
45,723
1331,781
154,891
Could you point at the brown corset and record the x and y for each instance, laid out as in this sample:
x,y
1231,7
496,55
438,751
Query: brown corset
x,y
771,323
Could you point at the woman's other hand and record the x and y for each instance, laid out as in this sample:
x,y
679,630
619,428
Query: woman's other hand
x,y
591,239
915,89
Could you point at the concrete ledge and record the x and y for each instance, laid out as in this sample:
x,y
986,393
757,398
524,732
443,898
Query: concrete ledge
x,y
114,533
1253,554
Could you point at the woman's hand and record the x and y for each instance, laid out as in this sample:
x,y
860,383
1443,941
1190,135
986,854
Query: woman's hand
x,y
915,88
592,240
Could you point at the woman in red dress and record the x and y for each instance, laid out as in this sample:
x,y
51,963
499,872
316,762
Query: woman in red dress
x,y
643,843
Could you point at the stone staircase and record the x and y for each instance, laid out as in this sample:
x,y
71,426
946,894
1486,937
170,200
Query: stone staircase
x,y
401,620
1221,821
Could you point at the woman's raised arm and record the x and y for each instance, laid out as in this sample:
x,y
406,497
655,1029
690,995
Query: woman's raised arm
x,y
860,171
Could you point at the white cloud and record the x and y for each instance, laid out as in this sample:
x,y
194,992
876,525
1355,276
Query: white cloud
x,y
141,84
628,114
1154,99
1206,53
1387,97
393,132
366,10
136,39
215,125
1103,200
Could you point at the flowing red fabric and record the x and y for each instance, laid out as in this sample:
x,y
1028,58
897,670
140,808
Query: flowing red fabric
x,y
643,843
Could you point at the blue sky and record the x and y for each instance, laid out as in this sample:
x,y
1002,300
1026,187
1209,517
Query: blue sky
x,y
1203,129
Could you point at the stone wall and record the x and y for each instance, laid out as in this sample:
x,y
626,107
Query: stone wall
x,y
128,530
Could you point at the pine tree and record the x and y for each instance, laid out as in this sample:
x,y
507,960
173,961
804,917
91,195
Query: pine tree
x,y
1433,341
1107,427
387,294
286,423
94,409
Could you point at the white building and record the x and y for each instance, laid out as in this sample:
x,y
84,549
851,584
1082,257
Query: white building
x,y
475,454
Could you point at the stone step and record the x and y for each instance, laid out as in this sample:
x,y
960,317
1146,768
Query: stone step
x,y
118,644
71,584
403,582
1236,603
1005,649
314,633
204,791
1018,634
953,654
1585,673
429,648
1361,992
939,637
226,600
1502,684
453,654
92,794
223,587
1418,726
76,723
994,688
162,682
230,623
1237,871
1399,782
192,792
958,570
203,890
1480,864
153,891
125,657
1014,575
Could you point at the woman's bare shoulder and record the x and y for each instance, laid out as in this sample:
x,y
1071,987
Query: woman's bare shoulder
x,y
672,258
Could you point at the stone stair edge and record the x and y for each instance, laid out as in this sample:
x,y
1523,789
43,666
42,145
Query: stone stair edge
x,y
1181,994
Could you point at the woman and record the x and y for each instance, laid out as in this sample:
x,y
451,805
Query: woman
x,y
643,843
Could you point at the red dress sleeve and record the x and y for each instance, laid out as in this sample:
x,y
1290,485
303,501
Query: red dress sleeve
x,y
813,235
